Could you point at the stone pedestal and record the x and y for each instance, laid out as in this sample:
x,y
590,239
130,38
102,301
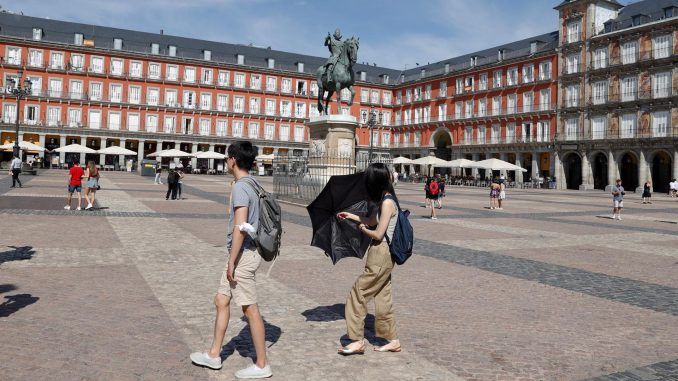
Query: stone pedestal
x,y
332,146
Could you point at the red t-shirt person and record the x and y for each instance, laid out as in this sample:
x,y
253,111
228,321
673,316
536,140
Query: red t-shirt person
x,y
76,175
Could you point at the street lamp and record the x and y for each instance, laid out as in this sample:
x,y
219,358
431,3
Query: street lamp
x,y
371,123
14,87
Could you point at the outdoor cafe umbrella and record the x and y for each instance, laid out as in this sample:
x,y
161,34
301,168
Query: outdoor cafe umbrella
x,y
173,152
116,150
401,160
458,163
431,161
75,148
340,238
24,145
209,155
498,165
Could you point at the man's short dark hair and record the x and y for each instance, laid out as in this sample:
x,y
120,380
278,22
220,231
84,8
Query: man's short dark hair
x,y
76,161
244,154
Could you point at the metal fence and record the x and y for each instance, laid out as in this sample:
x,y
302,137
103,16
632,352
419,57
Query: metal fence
x,y
301,178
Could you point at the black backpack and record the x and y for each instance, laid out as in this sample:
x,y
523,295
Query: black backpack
x,y
173,177
402,242
269,227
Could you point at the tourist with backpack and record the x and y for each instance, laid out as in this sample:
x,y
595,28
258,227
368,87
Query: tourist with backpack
x,y
432,189
172,181
238,278
375,281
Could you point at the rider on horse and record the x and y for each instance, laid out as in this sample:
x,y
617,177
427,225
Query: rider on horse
x,y
335,45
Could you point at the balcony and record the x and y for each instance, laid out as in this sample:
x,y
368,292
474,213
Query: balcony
x,y
621,133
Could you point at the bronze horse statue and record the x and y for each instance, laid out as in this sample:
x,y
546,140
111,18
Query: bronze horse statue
x,y
341,76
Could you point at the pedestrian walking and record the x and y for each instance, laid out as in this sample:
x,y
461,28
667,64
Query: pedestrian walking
x,y
647,192
92,184
238,278
172,181
432,189
375,281
494,194
15,171
180,172
158,173
502,194
441,190
673,188
75,175
617,200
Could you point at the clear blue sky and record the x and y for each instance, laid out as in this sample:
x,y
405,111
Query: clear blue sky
x,y
395,34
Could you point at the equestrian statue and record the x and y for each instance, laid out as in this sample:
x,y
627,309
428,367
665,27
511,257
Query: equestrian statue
x,y
337,73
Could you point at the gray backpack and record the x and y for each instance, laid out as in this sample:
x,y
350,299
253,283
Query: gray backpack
x,y
269,227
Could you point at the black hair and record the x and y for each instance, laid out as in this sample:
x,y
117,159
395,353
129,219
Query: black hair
x,y
244,154
76,161
377,181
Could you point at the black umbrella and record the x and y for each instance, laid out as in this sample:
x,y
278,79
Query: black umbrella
x,y
340,238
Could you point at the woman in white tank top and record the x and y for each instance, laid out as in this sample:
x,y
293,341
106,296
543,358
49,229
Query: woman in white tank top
x,y
375,281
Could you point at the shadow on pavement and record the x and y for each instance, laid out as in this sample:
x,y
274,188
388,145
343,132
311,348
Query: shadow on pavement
x,y
243,341
7,288
335,312
14,303
21,253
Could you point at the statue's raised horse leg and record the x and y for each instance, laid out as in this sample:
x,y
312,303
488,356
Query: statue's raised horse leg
x,y
330,92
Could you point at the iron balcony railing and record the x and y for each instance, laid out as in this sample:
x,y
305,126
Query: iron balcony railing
x,y
621,133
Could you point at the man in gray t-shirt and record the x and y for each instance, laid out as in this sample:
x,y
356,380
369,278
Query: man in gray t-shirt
x,y
242,195
238,280
617,200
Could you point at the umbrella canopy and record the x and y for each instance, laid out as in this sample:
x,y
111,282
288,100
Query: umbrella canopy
x,y
429,160
75,148
340,239
209,155
268,157
24,145
401,160
173,152
116,150
458,163
498,165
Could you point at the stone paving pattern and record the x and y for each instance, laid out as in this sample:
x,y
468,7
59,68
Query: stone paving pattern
x,y
548,289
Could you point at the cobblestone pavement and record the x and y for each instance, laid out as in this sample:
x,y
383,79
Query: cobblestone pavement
x,y
548,289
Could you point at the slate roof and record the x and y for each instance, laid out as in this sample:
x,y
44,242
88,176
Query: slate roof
x,y
649,10
63,32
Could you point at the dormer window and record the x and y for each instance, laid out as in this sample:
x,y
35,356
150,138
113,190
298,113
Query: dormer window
x,y
533,47
172,51
422,74
474,61
300,67
447,68
241,59
635,20
363,76
207,55
384,79
37,34
78,39
117,43
402,78
500,55
155,48
669,12
270,63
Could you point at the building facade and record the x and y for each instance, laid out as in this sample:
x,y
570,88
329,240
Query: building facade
x,y
617,93
586,104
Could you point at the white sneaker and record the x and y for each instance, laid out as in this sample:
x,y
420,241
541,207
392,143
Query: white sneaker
x,y
253,371
619,217
614,216
202,358
67,207
78,208
88,207
434,218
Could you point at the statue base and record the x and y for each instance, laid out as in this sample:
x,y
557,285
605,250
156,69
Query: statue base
x,y
332,147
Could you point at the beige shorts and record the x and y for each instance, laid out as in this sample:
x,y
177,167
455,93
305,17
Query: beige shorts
x,y
244,291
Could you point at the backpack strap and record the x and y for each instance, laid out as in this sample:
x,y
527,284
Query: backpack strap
x,y
253,184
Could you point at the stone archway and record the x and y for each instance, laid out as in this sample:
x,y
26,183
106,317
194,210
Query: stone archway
x,y
628,171
599,168
661,171
442,140
572,169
